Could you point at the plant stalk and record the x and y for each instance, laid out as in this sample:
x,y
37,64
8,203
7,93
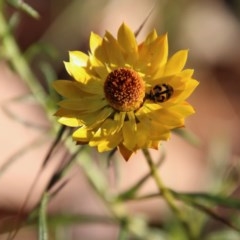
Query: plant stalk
x,y
168,196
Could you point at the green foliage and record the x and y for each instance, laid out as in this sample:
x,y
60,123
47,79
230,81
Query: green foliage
x,y
22,6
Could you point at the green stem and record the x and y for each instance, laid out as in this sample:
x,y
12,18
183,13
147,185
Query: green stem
x,y
21,66
168,196
123,231
43,230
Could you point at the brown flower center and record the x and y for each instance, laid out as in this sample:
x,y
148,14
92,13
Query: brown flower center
x,y
124,89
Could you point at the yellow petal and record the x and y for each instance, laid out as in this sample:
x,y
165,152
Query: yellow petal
x,y
176,63
132,120
68,117
160,80
106,137
126,39
98,57
151,37
103,138
115,140
94,119
154,130
141,136
143,47
159,51
99,67
119,118
129,131
95,42
189,88
147,108
61,112
82,135
154,145
184,109
166,117
154,54
128,43
78,73
69,89
87,104
78,58
113,50
87,83
107,144
149,129
70,122
107,128
129,135
186,73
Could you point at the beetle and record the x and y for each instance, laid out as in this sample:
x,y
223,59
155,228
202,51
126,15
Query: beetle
x,y
160,93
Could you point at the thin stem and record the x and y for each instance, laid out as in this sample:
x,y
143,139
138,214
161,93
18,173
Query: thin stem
x,y
123,231
43,230
60,220
168,196
19,63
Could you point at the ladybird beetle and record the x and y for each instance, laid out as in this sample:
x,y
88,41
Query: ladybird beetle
x,y
160,93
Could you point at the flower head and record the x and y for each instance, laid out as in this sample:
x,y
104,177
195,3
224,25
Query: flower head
x,y
123,94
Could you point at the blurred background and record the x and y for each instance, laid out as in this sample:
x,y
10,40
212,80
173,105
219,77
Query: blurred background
x,y
210,29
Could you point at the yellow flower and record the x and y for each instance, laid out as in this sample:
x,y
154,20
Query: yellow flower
x,y
123,94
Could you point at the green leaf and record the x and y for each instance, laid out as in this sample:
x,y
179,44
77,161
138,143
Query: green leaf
x,y
215,216
21,5
201,201
209,198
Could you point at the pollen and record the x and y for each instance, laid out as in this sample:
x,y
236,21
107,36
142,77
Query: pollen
x,y
124,89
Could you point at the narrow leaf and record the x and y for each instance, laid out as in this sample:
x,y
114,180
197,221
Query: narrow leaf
x,y
21,5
